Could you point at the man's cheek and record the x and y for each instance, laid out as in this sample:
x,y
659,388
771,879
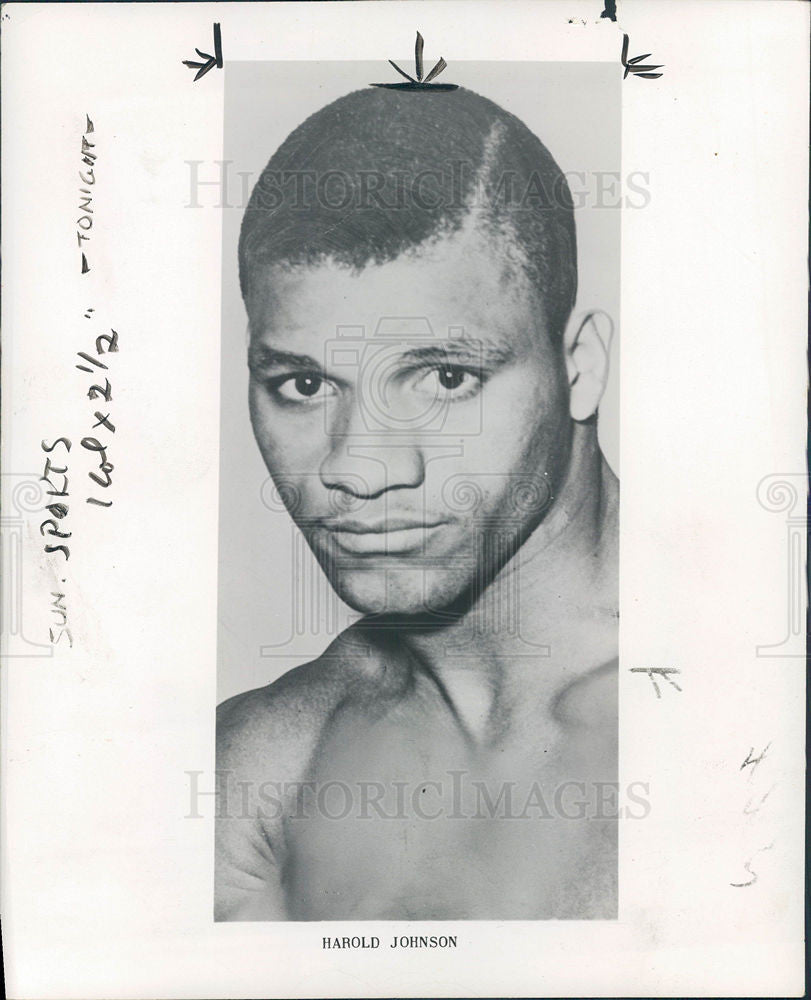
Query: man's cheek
x,y
292,446
294,468
506,435
518,457
518,397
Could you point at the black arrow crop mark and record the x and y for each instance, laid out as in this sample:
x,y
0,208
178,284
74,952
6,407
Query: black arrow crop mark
x,y
418,47
211,61
421,83
633,67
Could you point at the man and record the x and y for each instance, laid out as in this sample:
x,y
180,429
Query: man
x,y
448,756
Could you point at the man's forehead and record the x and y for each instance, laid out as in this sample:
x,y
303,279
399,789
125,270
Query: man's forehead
x,y
437,293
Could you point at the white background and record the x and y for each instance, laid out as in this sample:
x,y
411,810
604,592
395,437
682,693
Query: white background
x,y
107,887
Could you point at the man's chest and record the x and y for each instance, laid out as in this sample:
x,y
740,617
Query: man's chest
x,y
403,824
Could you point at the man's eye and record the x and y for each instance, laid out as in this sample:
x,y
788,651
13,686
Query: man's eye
x,y
449,382
303,388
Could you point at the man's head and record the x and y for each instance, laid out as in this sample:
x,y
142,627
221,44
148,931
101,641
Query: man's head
x,y
408,265
380,173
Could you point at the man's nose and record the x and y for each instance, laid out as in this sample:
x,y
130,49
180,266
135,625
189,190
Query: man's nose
x,y
366,464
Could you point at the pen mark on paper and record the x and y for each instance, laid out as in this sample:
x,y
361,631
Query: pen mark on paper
x,y
421,82
754,761
88,178
60,610
753,806
749,811
663,672
55,474
210,61
750,870
610,10
634,67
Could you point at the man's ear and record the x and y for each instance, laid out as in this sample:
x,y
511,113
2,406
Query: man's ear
x,y
586,344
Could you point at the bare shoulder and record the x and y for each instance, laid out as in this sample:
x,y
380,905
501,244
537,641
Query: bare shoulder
x,y
283,722
283,718
266,738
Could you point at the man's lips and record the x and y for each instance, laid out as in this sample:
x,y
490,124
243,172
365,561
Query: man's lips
x,y
382,536
379,526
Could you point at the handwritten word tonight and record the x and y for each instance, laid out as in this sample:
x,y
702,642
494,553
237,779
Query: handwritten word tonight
x,y
88,178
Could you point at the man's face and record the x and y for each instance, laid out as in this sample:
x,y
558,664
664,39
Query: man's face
x,y
414,417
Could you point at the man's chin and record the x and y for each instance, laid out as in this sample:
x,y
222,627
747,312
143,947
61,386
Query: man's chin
x,y
413,592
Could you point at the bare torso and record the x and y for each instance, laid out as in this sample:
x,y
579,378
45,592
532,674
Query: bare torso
x,y
367,798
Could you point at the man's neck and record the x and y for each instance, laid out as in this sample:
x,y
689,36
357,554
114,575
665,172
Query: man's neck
x,y
547,620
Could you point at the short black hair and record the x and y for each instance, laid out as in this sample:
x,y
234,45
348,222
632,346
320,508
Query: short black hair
x,y
379,172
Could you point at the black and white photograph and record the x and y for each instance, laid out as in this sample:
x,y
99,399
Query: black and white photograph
x,y
404,585
423,380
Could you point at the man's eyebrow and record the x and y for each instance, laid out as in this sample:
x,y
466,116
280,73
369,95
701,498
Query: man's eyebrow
x,y
473,350
260,356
